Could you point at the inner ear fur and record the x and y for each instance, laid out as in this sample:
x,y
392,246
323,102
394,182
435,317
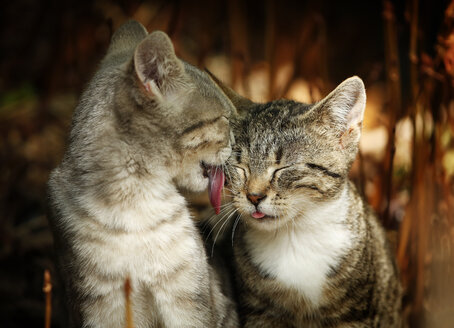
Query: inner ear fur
x,y
343,110
157,66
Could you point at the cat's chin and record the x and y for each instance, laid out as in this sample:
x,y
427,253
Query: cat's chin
x,y
265,222
194,181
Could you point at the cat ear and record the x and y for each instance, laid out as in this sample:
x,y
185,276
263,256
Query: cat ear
x,y
241,103
343,110
127,37
157,66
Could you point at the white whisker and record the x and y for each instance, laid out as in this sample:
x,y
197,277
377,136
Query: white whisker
x,y
238,218
219,231
220,220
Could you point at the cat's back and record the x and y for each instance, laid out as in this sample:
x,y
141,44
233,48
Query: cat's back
x,y
93,117
92,120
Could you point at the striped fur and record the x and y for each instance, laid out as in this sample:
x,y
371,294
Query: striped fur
x,y
141,129
319,257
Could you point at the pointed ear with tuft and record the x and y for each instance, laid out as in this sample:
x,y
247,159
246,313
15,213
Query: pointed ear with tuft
x,y
343,110
241,103
157,66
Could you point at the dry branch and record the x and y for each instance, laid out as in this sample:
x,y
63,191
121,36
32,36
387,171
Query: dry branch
x,y
47,289
239,45
129,321
394,104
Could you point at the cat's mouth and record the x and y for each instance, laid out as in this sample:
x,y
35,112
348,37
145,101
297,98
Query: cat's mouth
x,y
261,216
258,215
216,182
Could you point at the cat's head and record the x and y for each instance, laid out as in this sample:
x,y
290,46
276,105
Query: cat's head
x,y
289,157
167,106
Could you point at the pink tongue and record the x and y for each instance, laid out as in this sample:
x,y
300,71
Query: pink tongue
x,y
215,186
257,215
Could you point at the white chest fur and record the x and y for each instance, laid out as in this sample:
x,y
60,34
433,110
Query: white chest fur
x,y
145,234
301,256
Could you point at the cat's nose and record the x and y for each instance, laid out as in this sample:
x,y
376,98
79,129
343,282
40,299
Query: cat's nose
x,y
255,198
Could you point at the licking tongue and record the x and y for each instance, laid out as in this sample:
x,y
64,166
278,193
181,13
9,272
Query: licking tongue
x,y
217,178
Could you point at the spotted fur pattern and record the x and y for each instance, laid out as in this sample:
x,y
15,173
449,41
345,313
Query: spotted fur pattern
x,y
318,257
142,128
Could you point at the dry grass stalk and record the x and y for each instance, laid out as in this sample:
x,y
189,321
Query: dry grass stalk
x,y
394,104
270,41
413,54
129,321
47,289
239,45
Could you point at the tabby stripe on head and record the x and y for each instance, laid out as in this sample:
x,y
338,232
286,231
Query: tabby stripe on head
x,y
279,155
313,187
324,170
200,125
238,156
205,143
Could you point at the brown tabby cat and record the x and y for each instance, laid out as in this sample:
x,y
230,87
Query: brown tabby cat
x,y
308,251
147,124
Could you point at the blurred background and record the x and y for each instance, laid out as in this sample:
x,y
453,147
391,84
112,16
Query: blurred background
x,y
403,50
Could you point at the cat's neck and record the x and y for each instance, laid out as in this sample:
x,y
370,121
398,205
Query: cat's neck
x,y
301,255
125,195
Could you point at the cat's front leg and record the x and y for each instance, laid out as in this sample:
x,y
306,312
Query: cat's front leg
x,y
265,321
106,310
184,304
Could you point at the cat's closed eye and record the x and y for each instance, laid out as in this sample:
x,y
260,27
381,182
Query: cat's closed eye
x,y
241,171
274,176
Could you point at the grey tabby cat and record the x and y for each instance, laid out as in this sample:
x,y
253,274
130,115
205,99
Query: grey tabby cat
x,y
147,123
308,251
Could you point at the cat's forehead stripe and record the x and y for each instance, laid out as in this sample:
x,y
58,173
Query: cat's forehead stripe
x,y
199,125
238,156
279,155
